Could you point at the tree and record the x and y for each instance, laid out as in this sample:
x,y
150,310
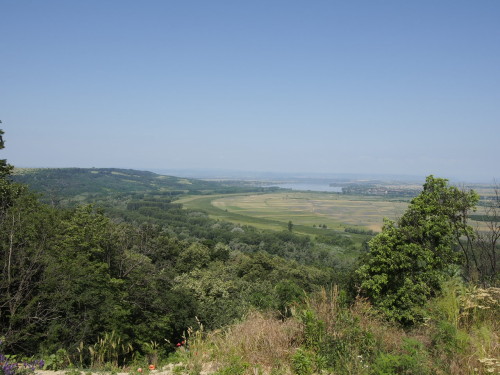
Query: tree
x,y
6,189
486,243
26,230
25,227
408,259
290,226
481,248
195,256
5,168
78,283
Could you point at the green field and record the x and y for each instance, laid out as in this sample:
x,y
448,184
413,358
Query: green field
x,y
307,210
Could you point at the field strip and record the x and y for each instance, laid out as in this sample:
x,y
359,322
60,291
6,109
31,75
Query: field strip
x,y
273,223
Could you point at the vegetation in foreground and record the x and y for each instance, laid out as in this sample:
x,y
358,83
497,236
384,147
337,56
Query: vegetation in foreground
x,y
83,289
328,334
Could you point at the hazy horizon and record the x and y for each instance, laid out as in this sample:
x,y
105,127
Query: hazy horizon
x,y
283,177
326,87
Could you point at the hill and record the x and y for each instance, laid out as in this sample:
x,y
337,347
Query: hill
x,y
88,185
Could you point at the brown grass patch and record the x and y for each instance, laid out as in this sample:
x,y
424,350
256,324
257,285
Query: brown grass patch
x,y
261,339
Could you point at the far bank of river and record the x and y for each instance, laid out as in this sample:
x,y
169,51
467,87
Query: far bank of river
x,y
310,187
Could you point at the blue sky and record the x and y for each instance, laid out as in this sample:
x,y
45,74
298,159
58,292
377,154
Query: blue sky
x,y
379,86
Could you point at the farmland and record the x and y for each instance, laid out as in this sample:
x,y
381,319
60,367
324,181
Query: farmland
x,y
304,209
309,211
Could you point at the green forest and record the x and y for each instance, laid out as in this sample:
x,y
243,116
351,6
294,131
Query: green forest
x,y
102,270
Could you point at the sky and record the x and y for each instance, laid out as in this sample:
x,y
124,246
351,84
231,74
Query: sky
x,y
362,86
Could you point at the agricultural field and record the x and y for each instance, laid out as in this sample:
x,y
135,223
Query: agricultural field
x,y
309,211
304,209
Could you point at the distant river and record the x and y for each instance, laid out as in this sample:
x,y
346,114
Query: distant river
x,y
310,187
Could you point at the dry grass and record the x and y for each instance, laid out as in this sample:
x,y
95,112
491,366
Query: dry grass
x,y
328,307
261,339
480,316
461,337
471,346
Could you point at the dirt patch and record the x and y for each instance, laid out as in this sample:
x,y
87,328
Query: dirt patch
x,y
166,370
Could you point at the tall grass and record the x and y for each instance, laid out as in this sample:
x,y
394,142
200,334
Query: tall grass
x,y
260,343
326,334
464,328
108,350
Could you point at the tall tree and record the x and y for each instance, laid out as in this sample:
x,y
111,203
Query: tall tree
x,y
5,183
25,231
5,168
78,282
408,259
481,249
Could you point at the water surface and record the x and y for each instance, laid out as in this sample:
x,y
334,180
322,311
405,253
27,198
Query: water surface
x,y
310,187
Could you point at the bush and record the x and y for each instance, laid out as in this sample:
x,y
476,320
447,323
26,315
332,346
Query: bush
x,y
236,366
411,362
303,362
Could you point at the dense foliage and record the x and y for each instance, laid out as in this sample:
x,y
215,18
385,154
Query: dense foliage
x,y
327,334
66,186
408,260
144,275
74,274
104,285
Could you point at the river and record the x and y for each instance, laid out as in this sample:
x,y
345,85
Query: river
x,y
310,187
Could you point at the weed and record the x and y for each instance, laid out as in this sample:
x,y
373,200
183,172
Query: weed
x,y
236,366
58,361
152,349
178,370
411,362
303,362
109,351
73,371
449,339
9,365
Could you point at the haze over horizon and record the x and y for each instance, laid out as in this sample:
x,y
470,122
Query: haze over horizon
x,y
362,87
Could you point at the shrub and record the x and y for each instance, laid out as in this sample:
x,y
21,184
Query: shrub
x,y
411,362
236,366
303,362
409,259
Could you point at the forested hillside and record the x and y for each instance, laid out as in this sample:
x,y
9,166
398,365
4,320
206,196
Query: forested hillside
x,y
137,280
138,265
89,185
